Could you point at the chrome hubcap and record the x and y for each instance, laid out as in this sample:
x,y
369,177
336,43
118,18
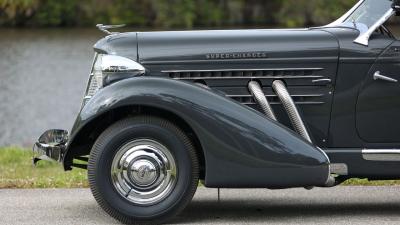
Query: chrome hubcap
x,y
144,172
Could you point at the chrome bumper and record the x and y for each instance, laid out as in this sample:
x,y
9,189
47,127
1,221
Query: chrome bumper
x,y
50,146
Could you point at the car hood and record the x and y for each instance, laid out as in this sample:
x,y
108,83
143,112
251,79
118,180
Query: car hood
x,y
231,45
171,47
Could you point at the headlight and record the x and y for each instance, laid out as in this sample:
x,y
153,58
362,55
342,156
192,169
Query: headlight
x,y
108,69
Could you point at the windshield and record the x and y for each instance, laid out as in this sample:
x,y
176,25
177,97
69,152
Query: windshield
x,y
369,12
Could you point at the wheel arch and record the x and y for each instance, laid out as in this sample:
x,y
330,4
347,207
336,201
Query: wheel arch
x,y
240,146
84,139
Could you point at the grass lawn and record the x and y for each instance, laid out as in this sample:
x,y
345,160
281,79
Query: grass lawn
x,y
17,171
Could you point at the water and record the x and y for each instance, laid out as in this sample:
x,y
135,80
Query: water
x,y
43,75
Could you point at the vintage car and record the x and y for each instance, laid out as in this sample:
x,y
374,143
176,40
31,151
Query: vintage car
x,y
235,109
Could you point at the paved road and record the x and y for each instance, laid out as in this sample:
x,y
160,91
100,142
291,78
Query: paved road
x,y
340,205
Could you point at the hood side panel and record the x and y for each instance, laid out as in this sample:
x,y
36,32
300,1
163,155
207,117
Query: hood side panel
x,y
188,46
298,57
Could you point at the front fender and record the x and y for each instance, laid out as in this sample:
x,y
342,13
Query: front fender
x,y
242,148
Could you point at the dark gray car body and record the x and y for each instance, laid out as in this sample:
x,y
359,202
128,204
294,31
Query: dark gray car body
x,y
239,146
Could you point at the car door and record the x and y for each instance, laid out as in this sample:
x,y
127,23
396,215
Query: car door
x,y
378,105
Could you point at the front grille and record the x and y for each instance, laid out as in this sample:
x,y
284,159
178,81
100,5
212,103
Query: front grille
x,y
92,87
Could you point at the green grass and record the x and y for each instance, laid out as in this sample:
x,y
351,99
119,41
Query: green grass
x,y
17,171
365,182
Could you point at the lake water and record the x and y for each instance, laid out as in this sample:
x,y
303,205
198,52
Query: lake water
x,y
43,75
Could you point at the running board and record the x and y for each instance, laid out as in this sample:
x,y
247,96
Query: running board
x,y
374,164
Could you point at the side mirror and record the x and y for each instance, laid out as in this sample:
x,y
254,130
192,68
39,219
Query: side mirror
x,y
396,7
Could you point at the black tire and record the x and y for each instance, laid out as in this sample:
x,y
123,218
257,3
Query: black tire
x,y
106,147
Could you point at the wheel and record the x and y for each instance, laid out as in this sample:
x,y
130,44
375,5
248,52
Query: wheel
x,y
143,170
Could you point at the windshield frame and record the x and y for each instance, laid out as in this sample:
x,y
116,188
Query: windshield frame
x,y
365,34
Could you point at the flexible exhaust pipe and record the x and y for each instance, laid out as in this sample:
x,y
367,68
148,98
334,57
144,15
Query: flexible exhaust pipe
x,y
298,124
258,94
291,109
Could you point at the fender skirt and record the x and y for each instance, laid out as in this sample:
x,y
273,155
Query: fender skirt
x,y
242,148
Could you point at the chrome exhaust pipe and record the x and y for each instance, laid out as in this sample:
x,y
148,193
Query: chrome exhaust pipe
x,y
298,124
291,109
258,94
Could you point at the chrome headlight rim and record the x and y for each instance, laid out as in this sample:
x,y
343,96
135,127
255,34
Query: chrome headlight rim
x,y
120,64
108,69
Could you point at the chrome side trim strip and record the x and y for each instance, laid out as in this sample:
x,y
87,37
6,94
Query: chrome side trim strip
x,y
278,103
333,151
381,154
241,69
243,77
306,95
326,81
